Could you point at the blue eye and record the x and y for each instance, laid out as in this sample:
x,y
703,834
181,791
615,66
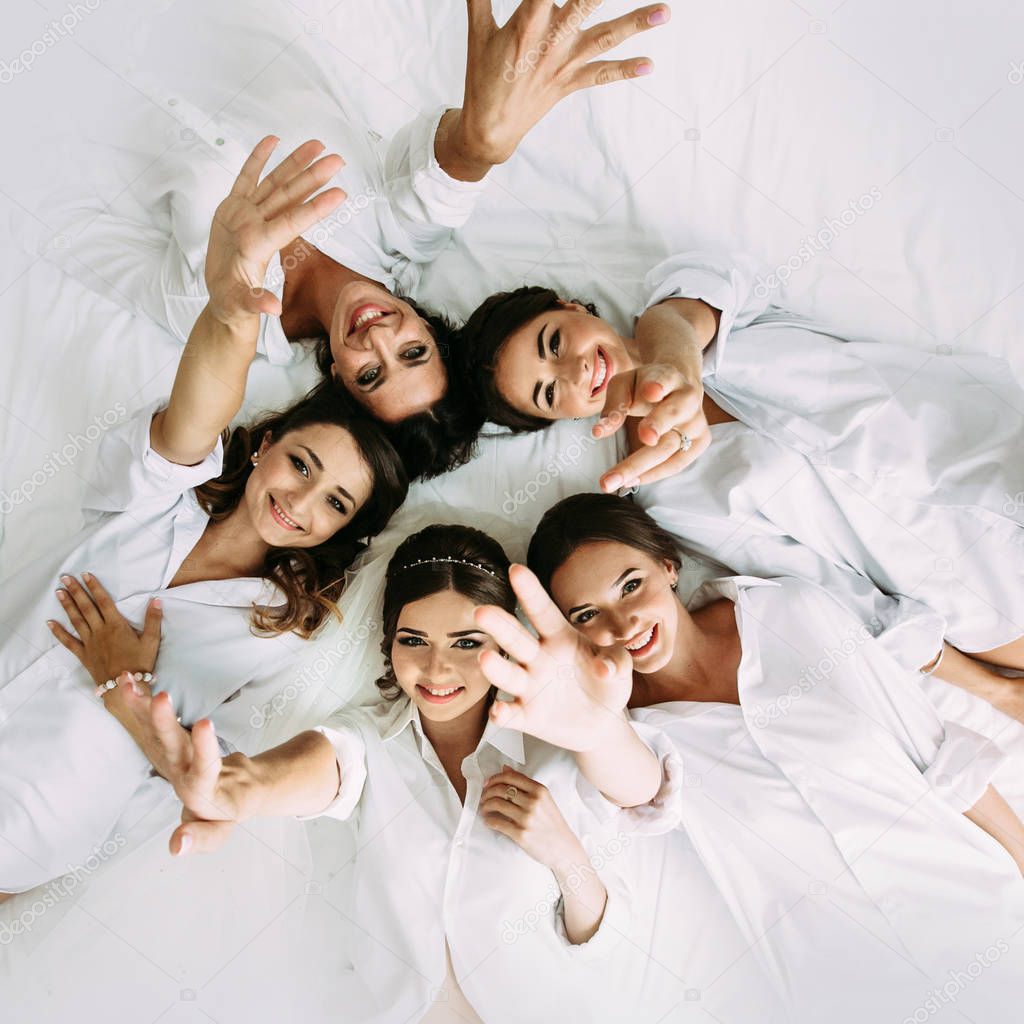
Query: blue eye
x,y
299,465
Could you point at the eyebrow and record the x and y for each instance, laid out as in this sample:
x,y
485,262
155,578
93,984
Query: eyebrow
x,y
542,357
459,633
315,459
580,607
409,629
382,379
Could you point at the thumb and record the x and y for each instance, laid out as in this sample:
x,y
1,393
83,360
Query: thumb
x,y
152,622
262,301
502,712
618,402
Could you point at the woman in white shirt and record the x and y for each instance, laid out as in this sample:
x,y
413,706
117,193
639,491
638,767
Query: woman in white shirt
x,y
884,460
837,813
243,545
475,818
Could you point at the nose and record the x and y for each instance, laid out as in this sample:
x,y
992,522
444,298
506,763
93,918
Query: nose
x,y
438,668
583,375
624,627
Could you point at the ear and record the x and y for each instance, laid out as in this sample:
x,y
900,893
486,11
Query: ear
x,y
573,307
673,573
268,440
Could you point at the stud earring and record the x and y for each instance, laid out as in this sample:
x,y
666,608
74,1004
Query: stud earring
x,y
674,586
255,458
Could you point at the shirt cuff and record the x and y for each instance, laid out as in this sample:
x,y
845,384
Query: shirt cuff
x,y
664,811
350,752
963,767
614,925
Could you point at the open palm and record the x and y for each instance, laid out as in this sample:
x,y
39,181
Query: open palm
x,y
258,218
566,691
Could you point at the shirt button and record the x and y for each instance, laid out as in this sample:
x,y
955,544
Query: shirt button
x,y
459,840
172,102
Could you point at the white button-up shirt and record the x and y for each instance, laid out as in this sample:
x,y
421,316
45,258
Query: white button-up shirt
x,y
67,767
853,463
428,871
827,808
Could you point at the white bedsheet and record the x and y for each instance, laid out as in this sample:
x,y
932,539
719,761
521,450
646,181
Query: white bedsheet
x,y
765,120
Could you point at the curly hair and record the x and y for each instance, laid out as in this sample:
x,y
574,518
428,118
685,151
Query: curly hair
x,y
479,571
311,579
442,437
483,338
589,518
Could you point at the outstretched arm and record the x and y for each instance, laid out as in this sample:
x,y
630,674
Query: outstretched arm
x,y
993,814
515,75
568,693
250,225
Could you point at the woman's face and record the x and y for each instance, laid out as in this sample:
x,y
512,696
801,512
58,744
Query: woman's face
x,y
384,353
306,486
621,597
435,655
559,364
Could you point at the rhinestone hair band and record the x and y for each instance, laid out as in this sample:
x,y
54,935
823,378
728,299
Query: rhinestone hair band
x,y
456,561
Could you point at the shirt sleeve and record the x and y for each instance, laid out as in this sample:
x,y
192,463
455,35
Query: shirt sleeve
x,y
730,284
613,927
129,472
963,766
663,812
350,752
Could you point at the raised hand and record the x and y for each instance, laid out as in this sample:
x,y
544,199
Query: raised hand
x,y
672,430
515,74
104,641
566,691
257,219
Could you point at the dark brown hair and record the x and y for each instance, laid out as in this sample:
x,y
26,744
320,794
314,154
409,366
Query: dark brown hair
x,y
481,342
408,582
440,438
311,579
586,518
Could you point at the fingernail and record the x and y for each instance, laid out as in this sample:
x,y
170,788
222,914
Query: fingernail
x,y
87,576
644,69
157,603
51,623
613,482
65,579
186,845
61,596
658,17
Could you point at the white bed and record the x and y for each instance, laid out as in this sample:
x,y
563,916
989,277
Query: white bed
x,y
765,119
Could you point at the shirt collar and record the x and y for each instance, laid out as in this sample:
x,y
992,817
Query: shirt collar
x,y
725,586
405,713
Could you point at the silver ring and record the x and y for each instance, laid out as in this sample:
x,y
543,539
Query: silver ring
x,y
685,441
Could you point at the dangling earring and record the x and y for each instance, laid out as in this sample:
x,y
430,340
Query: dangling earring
x,y
674,586
255,458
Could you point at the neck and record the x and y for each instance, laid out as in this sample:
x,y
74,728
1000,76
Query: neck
x,y
311,285
458,738
633,352
235,544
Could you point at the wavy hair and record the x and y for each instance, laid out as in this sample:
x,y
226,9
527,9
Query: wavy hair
x,y
311,579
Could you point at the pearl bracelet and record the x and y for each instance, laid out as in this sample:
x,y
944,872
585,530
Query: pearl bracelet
x,y
110,684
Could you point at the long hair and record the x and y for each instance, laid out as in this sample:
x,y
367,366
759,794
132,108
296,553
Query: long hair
x,y
407,582
589,518
483,338
311,579
440,438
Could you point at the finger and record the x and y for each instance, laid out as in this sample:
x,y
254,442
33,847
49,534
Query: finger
x,y
481,18
302,186
291,165
509,776
100,596
260,300
536,603
681,411
175,740
656,382
65,639
632,468
133,691
500,823
251,170
151,624
606,35
206,760
75,617
86,606
290,224
508,633
605,72
499,806
200,837
506,675
507,714
678,462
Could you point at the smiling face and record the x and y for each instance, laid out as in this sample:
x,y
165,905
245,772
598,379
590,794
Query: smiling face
x,y
384,353
621,597
306,486
434,655
559,364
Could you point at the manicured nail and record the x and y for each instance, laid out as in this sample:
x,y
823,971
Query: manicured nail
x,y
613,482
65,579
157,603
658,17
643,69
51,623
186,845
87,576
61,596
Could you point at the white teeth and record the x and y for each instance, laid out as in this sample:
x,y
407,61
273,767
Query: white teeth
x,y
367,317
602,372
440,693
280,511
641,641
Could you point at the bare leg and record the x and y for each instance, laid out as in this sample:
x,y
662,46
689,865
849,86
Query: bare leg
x,y
1010,655
969,674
